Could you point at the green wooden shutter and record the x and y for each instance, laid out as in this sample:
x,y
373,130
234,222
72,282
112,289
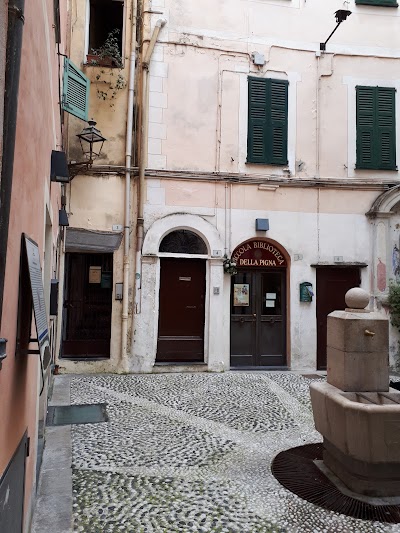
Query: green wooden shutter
x,y
376,128
278,122
76,86
257,130
387,3
267,123
386,128
365,127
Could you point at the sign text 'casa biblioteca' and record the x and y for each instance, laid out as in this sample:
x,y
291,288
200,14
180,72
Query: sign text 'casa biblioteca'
x,y
256,253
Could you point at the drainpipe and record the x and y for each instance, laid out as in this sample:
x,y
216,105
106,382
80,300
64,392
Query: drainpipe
x,y
13,64
128,162
143,161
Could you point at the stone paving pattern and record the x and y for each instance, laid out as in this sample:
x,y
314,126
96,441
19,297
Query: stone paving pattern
x,y
192,453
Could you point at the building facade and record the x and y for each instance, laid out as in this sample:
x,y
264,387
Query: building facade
x,y
30,129
262,182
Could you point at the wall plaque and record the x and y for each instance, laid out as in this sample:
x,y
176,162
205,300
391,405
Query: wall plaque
x,y
258,253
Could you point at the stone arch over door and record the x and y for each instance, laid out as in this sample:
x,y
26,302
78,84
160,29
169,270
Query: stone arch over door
x,y
216,343
384,217
161,227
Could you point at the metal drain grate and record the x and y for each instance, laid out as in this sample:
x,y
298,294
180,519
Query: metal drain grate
x,y
314,376
63,415
296,471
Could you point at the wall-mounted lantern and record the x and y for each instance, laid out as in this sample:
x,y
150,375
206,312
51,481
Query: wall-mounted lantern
x,y
341,15
91,141
88,138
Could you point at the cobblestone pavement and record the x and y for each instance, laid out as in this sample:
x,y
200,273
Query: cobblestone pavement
x,y
192,453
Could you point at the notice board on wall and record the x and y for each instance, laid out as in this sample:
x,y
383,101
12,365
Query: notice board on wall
x,y
39,306
31,295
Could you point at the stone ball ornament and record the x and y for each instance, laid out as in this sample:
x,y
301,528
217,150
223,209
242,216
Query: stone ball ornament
x,y
357,298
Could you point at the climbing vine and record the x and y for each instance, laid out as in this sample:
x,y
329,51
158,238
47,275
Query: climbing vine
x,y
108,55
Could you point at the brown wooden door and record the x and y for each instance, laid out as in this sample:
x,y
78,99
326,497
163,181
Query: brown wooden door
x,y
332,285
258,327
87,305
181,315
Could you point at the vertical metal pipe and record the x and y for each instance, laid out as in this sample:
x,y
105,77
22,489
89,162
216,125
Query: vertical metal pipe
x,y
143,161
13,65
128,162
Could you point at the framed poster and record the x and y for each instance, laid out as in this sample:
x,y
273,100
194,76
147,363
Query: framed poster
x,y
241,294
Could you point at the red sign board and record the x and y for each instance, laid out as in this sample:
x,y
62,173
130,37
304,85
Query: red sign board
x,y
258,253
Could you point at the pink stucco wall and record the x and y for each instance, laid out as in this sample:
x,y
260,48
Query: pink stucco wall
x,y
38,132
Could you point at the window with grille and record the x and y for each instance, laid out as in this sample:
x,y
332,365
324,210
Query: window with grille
x,y
183,242
268,121
376,128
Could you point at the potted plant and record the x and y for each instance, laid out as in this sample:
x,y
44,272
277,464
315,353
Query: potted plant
x,y
108,54
229,266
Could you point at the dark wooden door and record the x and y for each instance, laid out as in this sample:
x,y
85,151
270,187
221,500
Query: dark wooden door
x,y
87,305
258,327
181,315
332,285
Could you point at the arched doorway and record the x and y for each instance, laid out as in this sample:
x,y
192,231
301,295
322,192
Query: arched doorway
x,y
182,298
259,305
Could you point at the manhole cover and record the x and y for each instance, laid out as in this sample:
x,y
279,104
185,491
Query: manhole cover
x,y
296,471
63,415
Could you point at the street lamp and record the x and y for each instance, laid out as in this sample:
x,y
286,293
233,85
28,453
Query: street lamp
x,y
341,15
88,137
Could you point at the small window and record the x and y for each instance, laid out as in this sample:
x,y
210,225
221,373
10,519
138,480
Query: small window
x,y
376,128
384,3
183,242
268,121
106,19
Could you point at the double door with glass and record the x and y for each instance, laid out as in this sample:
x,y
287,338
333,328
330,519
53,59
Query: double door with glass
x,y
258,319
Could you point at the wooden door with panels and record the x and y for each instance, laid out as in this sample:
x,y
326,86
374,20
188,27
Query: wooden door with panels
x,y
332,285
259,305
182,310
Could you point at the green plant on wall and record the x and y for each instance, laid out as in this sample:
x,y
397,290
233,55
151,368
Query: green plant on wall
x,y
394,303
108,55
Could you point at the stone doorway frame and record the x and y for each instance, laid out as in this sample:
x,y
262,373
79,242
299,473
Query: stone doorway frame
x,y
216,332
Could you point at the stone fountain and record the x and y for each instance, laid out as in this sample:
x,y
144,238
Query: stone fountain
x,y
356,411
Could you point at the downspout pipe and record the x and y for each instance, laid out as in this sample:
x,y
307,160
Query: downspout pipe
x,y
143,159
13,67
128,162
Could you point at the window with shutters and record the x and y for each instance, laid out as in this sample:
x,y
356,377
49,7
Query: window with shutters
x,y
376,128
385,3
268,121
76,87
